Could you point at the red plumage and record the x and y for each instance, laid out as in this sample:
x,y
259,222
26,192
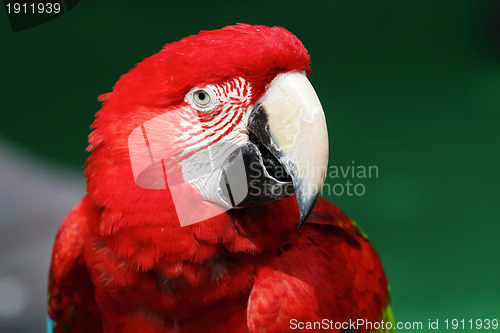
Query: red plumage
x,y
121,261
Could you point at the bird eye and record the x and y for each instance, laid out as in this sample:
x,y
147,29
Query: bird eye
x,y
201,98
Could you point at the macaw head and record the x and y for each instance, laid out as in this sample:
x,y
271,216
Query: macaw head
x,y
221,120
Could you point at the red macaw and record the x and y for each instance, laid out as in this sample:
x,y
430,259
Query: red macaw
x,y
204,158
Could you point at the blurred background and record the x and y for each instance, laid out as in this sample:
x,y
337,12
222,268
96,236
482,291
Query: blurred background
x,y
410,87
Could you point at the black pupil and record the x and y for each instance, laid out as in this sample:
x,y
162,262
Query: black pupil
x,y
201,95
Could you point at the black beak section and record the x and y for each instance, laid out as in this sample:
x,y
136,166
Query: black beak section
x,y
263,175
259,127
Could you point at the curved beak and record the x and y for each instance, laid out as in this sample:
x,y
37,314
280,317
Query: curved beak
x,y
289,121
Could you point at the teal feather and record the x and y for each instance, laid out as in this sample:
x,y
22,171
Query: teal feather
x,y
50,325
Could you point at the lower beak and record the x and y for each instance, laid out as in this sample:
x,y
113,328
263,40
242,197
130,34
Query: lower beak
x,y
290,123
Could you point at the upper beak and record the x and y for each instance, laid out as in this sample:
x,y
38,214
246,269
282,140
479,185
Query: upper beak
x,y
289,121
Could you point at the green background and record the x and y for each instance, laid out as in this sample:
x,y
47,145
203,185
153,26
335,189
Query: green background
x,y
412,87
